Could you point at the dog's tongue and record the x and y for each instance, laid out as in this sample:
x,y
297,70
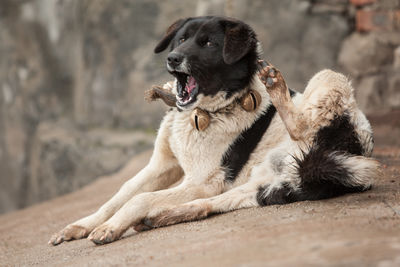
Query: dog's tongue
x,y
191,84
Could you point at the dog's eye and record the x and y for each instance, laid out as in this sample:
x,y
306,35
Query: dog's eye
x,y
181,40
209,44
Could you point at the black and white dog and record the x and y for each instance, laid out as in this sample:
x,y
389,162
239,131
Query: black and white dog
x,y
291,147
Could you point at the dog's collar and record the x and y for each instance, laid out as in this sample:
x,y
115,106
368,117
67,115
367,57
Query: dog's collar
x,y
250,101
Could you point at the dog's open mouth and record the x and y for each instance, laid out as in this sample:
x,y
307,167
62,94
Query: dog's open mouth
x,y
188,89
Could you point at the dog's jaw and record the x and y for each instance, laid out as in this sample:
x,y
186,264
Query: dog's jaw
x,y
187,90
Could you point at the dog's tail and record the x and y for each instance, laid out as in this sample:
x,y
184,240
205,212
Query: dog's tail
x,y
325,174
322,174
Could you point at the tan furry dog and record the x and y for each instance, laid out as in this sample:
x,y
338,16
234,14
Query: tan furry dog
x,y
286,147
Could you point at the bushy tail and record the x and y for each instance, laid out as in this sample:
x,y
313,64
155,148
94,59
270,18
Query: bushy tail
x,y
325,174
322,174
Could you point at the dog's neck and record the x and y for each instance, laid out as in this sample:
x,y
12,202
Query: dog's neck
x,y
248,100
220,103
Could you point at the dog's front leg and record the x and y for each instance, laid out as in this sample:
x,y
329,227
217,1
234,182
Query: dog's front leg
x,y
161,172
146,180
139,207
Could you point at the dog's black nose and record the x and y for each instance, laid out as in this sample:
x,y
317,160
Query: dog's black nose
x,y
174,59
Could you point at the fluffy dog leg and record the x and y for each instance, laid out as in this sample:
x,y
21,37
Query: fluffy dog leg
x,y
244,196
296,123
134,212
161,172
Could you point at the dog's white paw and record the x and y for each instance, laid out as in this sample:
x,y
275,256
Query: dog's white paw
x,y
104,234
71,232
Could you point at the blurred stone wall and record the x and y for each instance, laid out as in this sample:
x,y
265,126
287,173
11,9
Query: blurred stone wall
x,y
371,54
73,72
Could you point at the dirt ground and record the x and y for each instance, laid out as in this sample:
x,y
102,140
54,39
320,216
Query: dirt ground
x,y
352,230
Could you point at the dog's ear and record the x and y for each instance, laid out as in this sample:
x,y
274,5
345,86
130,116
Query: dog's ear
x,y
239,40
169,35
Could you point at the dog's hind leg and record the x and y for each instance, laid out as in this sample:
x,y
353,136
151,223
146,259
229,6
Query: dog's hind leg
x,y
161,172
244,196
295,121
328,94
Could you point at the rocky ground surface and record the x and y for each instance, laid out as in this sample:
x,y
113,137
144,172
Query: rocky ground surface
x,y
352,230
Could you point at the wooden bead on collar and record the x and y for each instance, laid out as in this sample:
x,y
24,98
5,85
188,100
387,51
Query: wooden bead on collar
x,y
251,100
200,119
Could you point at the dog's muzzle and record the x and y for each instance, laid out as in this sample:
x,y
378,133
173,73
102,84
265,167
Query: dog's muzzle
x,y
187,86
174,60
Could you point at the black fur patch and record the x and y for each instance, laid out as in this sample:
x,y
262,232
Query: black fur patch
x,y
321,170
323,175
339,136
277,196
238,154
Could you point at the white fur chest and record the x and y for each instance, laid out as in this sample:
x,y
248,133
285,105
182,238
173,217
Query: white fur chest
x,y
200,153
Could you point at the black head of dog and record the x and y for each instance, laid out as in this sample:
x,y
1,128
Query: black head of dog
x,y
209,55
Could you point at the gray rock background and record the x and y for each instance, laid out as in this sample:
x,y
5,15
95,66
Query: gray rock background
x,y
73,73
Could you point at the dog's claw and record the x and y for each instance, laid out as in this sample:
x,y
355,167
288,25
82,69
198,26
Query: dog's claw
x,y
271,72
270,81
55,240
262,64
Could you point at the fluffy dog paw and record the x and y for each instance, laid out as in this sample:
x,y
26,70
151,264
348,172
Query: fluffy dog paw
x,y
70,232
104,234
267,73
271,77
